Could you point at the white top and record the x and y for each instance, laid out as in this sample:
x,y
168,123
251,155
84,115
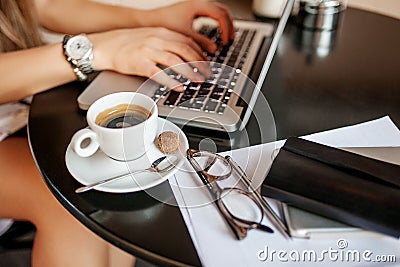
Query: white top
x,y
5,224
13,117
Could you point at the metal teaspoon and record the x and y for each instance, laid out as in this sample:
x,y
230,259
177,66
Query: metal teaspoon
x,y
153,168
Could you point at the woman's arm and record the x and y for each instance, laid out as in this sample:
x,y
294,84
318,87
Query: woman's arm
x,y
135,51
29,71
77,16
130,51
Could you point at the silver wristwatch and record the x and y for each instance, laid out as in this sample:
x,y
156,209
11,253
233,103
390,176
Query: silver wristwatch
x,y
78,51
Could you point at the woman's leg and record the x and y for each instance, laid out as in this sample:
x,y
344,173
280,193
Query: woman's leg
x,y
120,258
60,239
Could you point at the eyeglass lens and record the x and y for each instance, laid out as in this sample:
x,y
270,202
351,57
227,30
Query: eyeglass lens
x,y
213,165
241,206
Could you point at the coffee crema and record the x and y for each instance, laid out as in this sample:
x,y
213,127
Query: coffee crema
x,y
122,116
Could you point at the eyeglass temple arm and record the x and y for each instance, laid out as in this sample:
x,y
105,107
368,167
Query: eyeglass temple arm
x,y
267,208
239,232
201,175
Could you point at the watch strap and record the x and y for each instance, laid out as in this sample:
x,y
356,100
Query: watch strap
x,y
79,74
81,67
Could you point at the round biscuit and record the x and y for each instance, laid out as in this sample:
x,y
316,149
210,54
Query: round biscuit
x,y
168,142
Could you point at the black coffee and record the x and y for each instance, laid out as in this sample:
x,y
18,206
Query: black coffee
x,y
122,116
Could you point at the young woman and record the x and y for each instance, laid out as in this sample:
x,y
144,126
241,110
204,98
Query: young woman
x,y
116,38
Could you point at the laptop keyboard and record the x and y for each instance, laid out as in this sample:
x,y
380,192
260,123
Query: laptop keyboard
x,y
214,93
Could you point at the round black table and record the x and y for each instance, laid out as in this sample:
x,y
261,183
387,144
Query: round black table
x,y
311,87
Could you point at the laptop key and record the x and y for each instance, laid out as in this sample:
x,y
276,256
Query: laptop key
x,y
185,98
216,95
211,105
224,51
192,86
206,85
203,92
196,105
221,109
219,89
189,93
172,98
184,104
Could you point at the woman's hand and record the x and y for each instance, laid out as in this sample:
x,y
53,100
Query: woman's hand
x,y
179,17
141,51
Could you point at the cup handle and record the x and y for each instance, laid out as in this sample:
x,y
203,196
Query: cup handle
x,y
84,143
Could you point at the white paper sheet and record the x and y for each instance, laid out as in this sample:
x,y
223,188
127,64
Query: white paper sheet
x,y
217,246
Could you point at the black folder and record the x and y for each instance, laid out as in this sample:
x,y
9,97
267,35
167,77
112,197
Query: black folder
x,y
337,184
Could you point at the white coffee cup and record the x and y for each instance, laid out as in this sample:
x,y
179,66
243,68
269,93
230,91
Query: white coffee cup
x,y
124,144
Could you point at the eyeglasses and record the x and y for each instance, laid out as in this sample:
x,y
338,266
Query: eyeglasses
x,y
240,209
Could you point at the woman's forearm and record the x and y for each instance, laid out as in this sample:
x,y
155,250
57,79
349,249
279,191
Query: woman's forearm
x,y
82,16
31,71
130,51
78,16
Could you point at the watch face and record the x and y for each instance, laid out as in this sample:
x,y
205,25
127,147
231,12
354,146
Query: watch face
x,y
78,46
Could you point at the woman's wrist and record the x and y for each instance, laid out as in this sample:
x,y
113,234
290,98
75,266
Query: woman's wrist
x,y
100,56
148,18
136,18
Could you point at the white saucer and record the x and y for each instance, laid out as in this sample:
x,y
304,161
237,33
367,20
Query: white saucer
x,y
99,166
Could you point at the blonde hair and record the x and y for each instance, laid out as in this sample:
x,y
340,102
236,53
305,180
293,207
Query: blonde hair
x,y
18,25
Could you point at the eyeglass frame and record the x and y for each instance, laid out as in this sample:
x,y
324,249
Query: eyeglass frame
x,y
239,226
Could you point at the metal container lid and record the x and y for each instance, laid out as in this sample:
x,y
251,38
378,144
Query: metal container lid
x,y
320,14
322,6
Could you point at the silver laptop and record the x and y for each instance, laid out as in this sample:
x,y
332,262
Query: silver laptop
x,y
225,100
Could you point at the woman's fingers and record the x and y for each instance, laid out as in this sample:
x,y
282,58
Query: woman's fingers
x,y
176,64
169,35
174,51
163,78
180,16
221,14
205,42
183,50
230,30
